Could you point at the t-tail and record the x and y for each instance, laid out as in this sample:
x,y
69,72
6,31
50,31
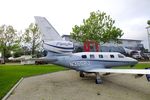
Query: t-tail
x,y
52,41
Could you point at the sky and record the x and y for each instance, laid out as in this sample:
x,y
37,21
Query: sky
x,y
130,15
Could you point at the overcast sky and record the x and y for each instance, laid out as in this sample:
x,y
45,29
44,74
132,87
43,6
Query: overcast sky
x,y
130,15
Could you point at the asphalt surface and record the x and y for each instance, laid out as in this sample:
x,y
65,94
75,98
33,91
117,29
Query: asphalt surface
x,y
67,85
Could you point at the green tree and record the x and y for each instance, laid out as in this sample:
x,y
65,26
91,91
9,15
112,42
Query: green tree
x,y
98,27
9,40
32,38
148,22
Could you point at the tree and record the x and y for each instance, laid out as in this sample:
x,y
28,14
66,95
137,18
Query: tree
x,y
148,22
32,37
98,27
9,40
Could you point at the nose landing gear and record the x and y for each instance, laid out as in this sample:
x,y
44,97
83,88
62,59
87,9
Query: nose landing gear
x,y
98,79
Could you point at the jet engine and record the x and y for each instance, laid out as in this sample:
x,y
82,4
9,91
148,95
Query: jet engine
x,y
58,46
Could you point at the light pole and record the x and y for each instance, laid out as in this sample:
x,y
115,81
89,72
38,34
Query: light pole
x,y
148,33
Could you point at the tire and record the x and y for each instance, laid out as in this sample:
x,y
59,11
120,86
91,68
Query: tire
x,y
98,81
81,74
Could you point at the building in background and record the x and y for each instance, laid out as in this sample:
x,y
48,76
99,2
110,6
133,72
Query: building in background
x,y
125,43
128,47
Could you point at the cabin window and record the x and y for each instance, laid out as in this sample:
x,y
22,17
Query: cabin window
x,y
92,56
111,56
120,56
100,56
84,56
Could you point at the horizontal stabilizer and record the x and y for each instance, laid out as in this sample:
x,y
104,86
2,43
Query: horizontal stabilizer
x,y
43,59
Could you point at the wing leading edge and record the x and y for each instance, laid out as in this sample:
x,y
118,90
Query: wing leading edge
x,y
123,71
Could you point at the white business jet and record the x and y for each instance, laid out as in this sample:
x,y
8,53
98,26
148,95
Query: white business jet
x,y
60,53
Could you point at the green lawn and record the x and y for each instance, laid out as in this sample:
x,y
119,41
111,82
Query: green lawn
x,y
141,66
10,74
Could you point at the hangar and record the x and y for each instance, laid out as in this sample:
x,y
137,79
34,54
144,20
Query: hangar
x,y
128,43
125,46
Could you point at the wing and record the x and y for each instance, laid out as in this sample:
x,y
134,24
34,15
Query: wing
x,y
123,71
102,69
48,31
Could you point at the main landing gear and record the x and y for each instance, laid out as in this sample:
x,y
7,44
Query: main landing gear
x,y
81,74
97,80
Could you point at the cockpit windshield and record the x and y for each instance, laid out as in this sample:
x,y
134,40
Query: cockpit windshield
x,y
121,56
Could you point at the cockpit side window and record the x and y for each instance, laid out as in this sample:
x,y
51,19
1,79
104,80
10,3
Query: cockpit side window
x,y
92,56
120,56
112,56
84,56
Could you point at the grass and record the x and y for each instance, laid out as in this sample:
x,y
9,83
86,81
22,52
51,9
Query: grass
x,y
10,74
142,66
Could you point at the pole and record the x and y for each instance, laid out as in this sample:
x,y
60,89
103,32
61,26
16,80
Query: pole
x,y
148,36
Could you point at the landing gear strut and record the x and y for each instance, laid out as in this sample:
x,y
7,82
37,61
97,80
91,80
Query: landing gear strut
x,y
81,74
98,79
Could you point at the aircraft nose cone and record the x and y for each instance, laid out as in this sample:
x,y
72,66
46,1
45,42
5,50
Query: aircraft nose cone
x,y
135,61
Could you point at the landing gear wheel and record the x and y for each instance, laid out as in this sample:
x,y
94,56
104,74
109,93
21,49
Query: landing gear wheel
x,y
98,81
81,74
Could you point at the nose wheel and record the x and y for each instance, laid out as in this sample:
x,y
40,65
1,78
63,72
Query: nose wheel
x,y
98,79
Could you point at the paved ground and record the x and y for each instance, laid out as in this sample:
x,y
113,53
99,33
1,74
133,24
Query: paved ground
x,y
67,85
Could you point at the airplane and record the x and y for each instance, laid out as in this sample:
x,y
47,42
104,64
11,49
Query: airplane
x,y
134,53
60,53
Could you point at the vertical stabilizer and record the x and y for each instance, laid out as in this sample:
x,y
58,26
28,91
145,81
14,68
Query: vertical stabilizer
x,y
48,31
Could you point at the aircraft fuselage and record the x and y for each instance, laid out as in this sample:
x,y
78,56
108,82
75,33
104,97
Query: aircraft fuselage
x,y
80,61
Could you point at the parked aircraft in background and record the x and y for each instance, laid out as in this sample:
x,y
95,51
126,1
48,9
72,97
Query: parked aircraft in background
x,y
133,53
60,53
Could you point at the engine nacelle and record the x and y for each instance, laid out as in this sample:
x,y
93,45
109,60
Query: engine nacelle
x,y
58,46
